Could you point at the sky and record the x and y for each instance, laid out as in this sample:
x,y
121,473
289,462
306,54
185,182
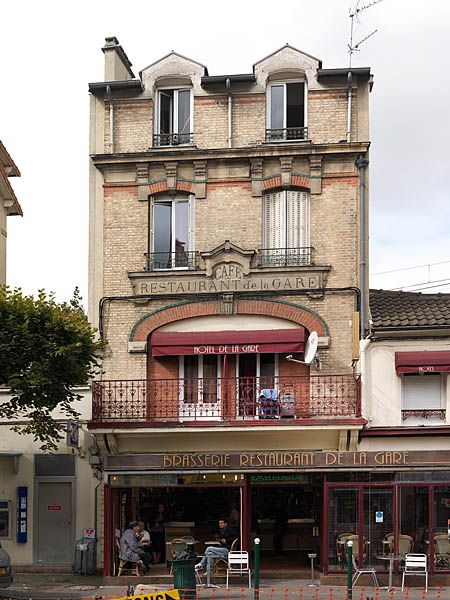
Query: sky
x,y
50,50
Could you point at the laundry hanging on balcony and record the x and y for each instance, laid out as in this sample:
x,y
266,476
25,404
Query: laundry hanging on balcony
x,y
422,362
228,342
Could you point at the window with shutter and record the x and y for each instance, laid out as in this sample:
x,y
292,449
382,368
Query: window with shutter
x,y
421,392
286,228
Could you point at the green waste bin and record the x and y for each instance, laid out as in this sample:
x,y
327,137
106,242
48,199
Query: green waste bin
x,y
184,578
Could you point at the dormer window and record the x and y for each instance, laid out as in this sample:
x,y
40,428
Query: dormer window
x,y
173,117
286,115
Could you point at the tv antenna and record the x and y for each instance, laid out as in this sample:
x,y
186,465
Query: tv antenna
x,y
354,14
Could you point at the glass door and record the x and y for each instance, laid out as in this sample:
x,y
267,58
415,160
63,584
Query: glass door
x,y
343,512
199,390
440,542
378,526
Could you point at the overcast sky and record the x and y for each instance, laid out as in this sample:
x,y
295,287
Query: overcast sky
x,y
50,50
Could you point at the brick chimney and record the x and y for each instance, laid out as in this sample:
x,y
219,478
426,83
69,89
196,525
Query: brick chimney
x,y
117,65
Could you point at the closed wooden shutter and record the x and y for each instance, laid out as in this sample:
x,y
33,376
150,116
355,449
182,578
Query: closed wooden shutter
x,y
297,210
274,220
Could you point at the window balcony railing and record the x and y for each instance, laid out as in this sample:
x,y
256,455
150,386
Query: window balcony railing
x,y
172,139
287,134
159,261
243,399
424,413
285,257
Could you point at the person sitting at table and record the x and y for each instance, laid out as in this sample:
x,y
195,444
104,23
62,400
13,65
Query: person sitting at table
x,y
225,537
130,549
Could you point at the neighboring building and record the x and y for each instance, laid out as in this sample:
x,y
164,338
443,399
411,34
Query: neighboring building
x,y
226,225
9,205
406,396
45,500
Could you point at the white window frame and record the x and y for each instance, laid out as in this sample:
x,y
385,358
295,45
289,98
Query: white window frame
x,y
442,382
10,519
269,102
174,116
190,199
200,375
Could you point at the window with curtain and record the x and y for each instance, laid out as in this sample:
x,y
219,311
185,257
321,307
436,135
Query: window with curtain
x,y
286,228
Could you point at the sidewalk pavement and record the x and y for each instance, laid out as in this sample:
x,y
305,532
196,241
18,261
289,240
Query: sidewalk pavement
x,y
66,587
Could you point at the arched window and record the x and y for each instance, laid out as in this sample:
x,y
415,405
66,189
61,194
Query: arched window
x,y
286,238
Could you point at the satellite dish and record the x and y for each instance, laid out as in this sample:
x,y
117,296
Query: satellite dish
x,y
311,347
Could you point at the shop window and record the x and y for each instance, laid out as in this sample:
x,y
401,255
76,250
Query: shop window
x,y
172,234
422,396
5,519
173,117
286,112
286,229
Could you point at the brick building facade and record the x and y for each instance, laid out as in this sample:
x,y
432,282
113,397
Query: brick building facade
x,y
227,224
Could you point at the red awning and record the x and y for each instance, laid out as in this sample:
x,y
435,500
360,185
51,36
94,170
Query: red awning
x,y
228,342
422,362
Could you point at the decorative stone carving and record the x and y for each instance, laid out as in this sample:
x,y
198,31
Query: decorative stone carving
x,y
200,178
227,255
256,166
142,181
286,170
315,166
226,304
171,175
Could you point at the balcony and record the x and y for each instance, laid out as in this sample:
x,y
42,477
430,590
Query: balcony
x,y
289,134
172,139
325,399
424,413
284,257
160,261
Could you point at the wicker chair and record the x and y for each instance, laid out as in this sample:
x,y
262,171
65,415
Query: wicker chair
x,y
222,563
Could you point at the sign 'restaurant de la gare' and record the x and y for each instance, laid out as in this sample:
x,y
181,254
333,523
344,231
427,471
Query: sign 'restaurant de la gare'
x,y
267,460
229,269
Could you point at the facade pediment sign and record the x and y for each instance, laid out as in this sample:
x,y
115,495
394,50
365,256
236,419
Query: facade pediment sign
x,y
228,269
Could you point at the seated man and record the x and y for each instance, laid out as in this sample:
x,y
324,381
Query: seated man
x,y
225,536
129,546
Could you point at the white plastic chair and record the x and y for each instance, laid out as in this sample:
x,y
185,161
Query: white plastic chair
x,y
238,564
415,564
363,571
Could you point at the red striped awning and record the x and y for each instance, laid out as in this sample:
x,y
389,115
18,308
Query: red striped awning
x,y
228,342
422,362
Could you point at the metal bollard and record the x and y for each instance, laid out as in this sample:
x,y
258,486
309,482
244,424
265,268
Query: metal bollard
x,y
349,570
256,568
312,556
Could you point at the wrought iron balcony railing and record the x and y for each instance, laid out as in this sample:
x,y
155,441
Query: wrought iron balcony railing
x,y
424,413
242,399
285,257
172,139
157,261
287,134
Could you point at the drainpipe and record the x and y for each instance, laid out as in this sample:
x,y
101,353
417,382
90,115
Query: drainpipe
x,y
362,164
230,108
111,118
349,107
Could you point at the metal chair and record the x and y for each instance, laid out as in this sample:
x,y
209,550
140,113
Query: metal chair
x,y
222,562
238,564
363,571
415,564
441,550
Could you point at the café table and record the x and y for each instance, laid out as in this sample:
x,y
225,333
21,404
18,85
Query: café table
x,y
391,558
209,564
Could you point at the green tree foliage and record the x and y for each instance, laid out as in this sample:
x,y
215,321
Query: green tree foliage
x,y
46,349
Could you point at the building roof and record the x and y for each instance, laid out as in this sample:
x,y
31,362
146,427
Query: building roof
x,y
292,48
8,169
173,53
408,310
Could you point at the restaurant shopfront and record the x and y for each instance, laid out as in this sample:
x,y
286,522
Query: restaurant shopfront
x,y
297,502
